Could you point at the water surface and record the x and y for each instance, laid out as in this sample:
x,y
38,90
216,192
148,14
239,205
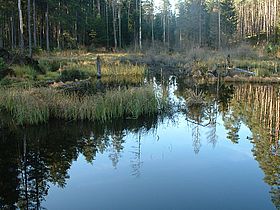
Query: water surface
x,y
222,154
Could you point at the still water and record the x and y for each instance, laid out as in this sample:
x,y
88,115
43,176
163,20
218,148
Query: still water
x,y
219,154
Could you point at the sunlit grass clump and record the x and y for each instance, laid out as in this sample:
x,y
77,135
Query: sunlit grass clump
x,y
86,62
24,106
107,69
37,105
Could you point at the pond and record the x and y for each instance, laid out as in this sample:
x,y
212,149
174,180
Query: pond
x,y
221,153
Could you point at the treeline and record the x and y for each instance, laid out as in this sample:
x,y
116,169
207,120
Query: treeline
x,y
68,24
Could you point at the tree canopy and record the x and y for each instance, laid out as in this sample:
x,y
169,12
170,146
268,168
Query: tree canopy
x,y
61,24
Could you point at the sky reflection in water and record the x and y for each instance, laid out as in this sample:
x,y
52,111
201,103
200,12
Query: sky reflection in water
x,y
170,163
168,175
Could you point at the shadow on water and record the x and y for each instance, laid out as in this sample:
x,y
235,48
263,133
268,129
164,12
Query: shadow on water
x,y
33,157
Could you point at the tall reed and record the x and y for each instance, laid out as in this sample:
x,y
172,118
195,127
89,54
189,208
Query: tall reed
x,y
24,106
36,105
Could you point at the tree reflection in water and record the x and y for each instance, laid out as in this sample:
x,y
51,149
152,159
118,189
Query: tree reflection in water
x,y
256,106
33,157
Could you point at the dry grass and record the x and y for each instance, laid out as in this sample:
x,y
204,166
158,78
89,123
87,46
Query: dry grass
x,y
108,68
252,79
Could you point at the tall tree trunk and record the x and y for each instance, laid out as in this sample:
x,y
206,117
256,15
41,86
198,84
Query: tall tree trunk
x,y
58,35
168,31
34,25
153,36
219,26
47,28
107,24
135,36
266,21
29,28
180,39
114,24
1,36
164,29
2,25
275,21
98,7
12,33
41,31
21,44
58,29
200,25
76,28
120,25
140,24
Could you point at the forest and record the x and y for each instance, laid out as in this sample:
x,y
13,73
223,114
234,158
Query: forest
x,y
136,24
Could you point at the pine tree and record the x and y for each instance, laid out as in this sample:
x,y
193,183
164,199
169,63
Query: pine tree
x,y
228,19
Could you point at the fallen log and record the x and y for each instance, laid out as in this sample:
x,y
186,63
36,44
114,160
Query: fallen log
x,y
237,71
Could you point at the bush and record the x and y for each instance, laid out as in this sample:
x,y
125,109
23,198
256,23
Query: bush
x,y
244,51
52,65
7,81
25,71
72,75
272,49
2,68
55,65
263,72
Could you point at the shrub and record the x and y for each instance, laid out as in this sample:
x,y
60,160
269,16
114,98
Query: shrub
x,y
52,65
3,68
244,51
72,75
272,49
263,72
25,72
8,81
55,65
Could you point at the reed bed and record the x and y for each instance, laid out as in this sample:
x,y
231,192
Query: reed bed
x,y
24,106
38,105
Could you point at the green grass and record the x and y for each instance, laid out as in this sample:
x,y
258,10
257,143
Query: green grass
x,y
49,76
25,106
37,105
24,71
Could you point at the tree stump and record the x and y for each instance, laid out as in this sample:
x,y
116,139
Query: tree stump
x,y
98,65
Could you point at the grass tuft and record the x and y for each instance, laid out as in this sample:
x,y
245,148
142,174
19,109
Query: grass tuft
x,y
37,105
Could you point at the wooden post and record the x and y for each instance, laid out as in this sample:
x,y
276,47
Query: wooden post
x,y
98,65
228,61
